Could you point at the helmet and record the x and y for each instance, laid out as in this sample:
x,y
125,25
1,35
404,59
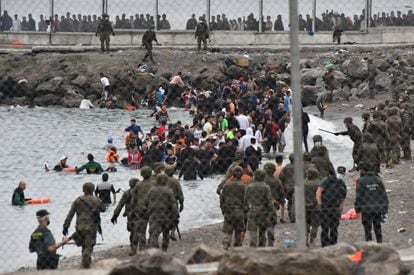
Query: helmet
x,y
312,174
317,138
88,187
110,139
158,167
365,116
146,172
292,158
259,175
269,168
133,182
348,120
364,166
161,179
105,15
237,172
169,171
307,156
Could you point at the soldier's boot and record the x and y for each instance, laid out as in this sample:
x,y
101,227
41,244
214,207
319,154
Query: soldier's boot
x,y
133,250
227,240
172,235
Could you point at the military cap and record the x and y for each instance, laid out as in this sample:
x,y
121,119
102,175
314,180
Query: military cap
x,y
42,213
364,166
259,175
307,156
317,138
269,167
348,120
365,115
237,171
105,15
88,187
146,172
169,171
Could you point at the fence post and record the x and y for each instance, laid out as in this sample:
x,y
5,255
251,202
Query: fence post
x,y
314,16
208,2
367,14
106,6
156,16
52,12
1,25
297,125
103,7
260,15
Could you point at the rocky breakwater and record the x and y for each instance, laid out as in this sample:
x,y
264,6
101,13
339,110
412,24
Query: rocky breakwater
x,y
66,79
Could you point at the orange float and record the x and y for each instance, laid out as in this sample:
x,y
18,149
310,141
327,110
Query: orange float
x,y
16,44
129,107
39,201
69,169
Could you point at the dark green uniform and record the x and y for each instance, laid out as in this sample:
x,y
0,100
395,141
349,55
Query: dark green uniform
x,y
369,153
104,30
232,207
312,212
91,167
371,201
87,210
260,207
288,181
356,136
394,127
147,39
379,132
18,197
405,133
202,34
162,208
138,210
40,240
278,196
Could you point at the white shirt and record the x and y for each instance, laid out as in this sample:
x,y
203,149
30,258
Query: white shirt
x,y
86,104
259,137
243,122
17,25
105,81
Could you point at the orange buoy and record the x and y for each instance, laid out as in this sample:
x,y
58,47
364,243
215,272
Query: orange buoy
x,y
357,257
39,201
70,169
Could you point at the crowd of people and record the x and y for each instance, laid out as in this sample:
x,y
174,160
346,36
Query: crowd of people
x,y
328,21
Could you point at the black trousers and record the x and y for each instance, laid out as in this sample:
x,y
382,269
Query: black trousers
x,y
370,220
329,224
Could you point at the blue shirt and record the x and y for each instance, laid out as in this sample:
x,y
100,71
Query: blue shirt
x,y
136,128
286,102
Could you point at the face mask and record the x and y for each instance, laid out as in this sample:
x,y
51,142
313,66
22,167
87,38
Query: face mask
x,y
340,176
318,143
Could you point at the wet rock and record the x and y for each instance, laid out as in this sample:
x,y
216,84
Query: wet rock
x,y
203,254
275,66
309,76
356,68
49,87
152,261
47,100
235,72
309,95
239,61
383,81
80,81
379,259
383,65
72,98
141,81
363,90
339,77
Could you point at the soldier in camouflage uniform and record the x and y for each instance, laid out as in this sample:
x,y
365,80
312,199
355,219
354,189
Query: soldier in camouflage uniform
x,y
372,73
319,147
104,30
232,208
147,39
312,211
356,136
87,209
278,196
367,122
162,208
379,132
323,165
126,202
138,211
175,187
394,126
307,162
288,181
369,153
405,133
260,207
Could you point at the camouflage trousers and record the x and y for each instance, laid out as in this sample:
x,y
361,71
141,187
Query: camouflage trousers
x,y
89,241
139,233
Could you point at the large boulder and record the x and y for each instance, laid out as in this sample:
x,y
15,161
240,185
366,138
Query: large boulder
x,y
235,72
339,77
383,81
203,254
363,90
239,61
356,68
80,81
50,87
47,100
72,96
309,76
140,81
152,261
275,66
309,95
